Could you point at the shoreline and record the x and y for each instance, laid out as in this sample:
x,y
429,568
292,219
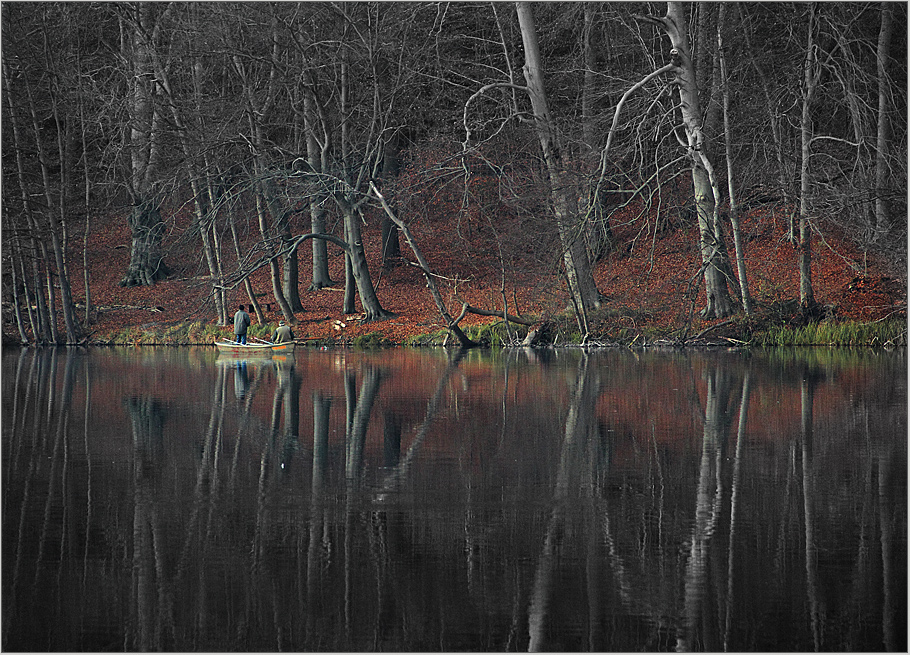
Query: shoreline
x,y
739,332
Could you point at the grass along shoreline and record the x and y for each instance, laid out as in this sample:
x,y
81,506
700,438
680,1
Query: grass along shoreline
x,y
740,332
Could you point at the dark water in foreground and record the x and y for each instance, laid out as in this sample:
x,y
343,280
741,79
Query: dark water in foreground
x,y
161,499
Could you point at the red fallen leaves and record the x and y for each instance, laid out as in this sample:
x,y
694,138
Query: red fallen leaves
x,y
870,297
651,284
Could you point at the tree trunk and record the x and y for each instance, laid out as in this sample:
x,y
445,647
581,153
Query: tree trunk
x,y
713,252
373,311
321,277
146,263
290,268
882,210
281,219
291,278
221,302
783,174
66,295
87,190
585,296
717,295
33,323
811,74
46,328
314,153
353,174
38,328
202,205
707,69
247,285
598,232
345,129
587,87
728,146
51,305
17,305
451,323
204,221
66,299
257,110
391,247
350,284
45,305
712,126
58,228
274,269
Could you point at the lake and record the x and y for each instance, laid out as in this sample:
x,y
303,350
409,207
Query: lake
x,y
414,500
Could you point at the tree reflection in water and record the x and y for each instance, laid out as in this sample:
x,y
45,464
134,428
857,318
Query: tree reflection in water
x,y
559,500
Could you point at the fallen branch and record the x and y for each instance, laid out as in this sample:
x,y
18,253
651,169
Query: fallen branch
x,y
156,308
709,328
886,316
530,339
451,324
487,312
441,277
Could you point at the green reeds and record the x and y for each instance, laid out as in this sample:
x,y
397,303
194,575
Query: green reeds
x,y
494,335
828,333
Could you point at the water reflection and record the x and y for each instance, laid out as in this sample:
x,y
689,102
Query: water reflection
x,y
165,499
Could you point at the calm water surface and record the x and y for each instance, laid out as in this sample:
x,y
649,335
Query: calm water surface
x,y
165,499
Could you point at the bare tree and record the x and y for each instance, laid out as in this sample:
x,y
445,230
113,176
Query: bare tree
x,y
41,325
38,79
317,153
578,270
190,145
451,324
772,102
882,208
811,73
728,147
704,181
251,67
140,27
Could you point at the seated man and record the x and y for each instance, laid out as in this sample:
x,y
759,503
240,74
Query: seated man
x,y
283,334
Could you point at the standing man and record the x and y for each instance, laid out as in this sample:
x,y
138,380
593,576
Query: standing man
x,y
241,323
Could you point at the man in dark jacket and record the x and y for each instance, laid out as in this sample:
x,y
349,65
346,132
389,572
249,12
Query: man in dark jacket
x,y
241,323
282,334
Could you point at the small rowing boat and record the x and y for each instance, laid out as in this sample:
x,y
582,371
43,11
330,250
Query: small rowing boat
x,y
247,349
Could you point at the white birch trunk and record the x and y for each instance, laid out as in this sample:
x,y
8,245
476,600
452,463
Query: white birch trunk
x,y
563,193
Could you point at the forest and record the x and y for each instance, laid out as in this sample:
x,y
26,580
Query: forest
x,y
337,164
